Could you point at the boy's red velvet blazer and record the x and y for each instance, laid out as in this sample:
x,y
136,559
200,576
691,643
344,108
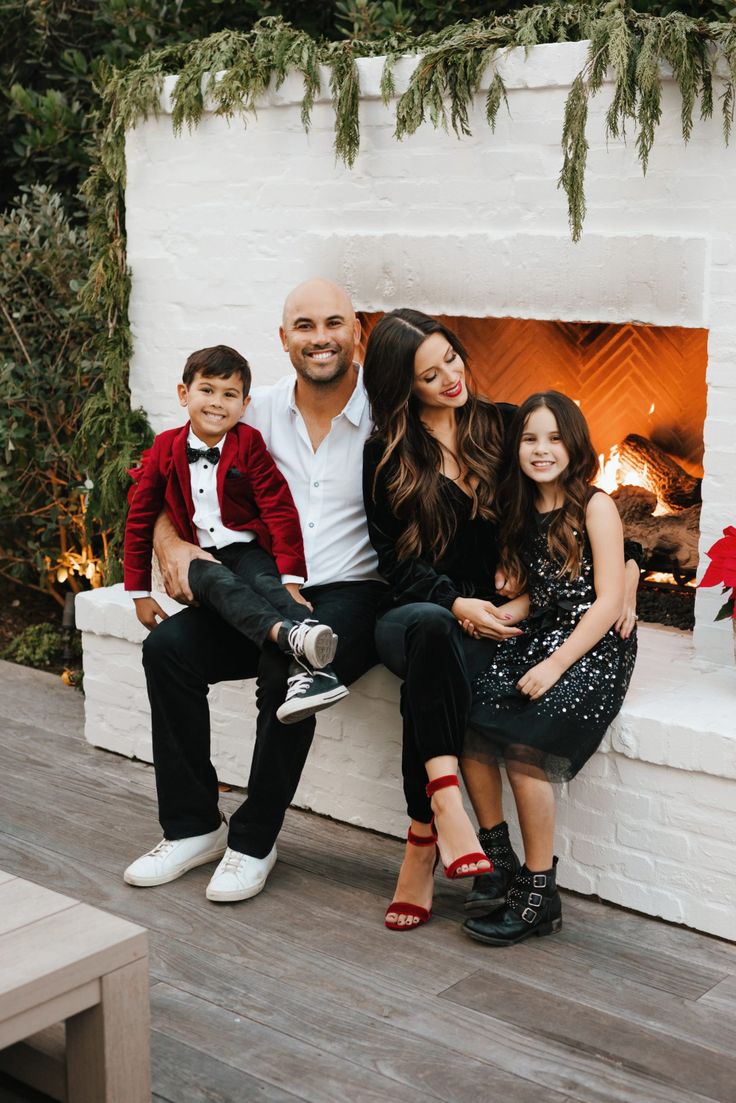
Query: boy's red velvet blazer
x,y
251,490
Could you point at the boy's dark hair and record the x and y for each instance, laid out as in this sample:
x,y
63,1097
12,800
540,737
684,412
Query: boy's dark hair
x,y
220,360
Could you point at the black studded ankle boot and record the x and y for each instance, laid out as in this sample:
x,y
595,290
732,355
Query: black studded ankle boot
x,y
489,889
533,907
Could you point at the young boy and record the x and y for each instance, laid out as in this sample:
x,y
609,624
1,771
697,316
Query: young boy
x,y
221,489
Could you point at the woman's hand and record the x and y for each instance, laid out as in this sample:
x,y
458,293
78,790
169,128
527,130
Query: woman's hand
x,y
540,678
481,619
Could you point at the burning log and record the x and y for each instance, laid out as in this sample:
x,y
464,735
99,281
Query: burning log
x,y
675,490
668,538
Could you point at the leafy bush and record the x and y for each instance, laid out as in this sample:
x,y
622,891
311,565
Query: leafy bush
x,y
39,646
47,374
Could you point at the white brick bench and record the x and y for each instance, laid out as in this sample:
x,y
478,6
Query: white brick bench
x,y
648,824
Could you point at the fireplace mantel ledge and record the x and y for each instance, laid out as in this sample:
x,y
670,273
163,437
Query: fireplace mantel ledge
x,y
679,711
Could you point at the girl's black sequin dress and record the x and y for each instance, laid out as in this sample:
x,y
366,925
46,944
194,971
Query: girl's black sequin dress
x,y
557,734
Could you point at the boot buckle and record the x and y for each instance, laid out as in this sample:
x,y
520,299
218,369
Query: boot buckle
x,y
529,915
535,899
539,880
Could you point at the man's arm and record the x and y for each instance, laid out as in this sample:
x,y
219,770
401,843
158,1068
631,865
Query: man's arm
x,y
174,556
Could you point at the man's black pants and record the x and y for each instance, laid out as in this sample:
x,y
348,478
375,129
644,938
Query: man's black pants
x,y
194,649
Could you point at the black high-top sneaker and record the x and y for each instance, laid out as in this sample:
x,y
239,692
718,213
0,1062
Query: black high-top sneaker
x,y
533,907
309,691
309,641
489,889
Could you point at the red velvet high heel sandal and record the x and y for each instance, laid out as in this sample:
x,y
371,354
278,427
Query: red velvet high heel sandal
x,y
452,871
423,915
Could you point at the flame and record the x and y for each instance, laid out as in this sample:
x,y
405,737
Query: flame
x,y
613,473
662,576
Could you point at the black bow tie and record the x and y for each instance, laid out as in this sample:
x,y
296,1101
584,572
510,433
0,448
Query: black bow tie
x,y
194,454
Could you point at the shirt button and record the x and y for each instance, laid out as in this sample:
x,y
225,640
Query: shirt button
x,y
201,491
212,530
311,524
205,467
316,484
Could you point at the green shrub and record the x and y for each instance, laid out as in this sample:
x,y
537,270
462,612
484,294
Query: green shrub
x,y
47,374
39,645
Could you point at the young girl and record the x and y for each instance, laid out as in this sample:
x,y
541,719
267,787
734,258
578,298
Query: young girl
x,y
545,700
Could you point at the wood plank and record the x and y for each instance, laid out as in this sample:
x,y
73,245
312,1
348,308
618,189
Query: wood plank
x,y
182,1074
22,902
361,1017
272,1055
723,997
107,1046
53,955
15,1027
651,1053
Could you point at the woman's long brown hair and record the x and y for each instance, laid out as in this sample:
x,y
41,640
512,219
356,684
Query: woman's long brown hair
x,y
518,493
412,458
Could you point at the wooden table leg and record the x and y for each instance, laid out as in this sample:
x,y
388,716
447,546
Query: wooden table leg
x,y
108,1046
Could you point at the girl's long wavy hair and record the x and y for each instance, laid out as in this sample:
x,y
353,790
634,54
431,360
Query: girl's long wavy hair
x,y
412,457
518,493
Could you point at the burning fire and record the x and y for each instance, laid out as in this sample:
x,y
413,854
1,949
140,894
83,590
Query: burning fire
x,y
614,472
669,579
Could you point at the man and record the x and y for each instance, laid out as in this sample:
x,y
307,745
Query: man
x,y
315,426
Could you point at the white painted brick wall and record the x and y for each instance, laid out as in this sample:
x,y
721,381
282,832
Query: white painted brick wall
x,y
222,221
649,823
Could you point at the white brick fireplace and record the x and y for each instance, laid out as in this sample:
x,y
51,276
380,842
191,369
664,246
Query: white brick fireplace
x,y
224,220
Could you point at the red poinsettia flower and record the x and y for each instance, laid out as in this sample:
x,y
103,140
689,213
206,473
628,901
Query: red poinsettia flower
x,y
722,569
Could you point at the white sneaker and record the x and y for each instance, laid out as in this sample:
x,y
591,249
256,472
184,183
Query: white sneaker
x,y
239,876
172,857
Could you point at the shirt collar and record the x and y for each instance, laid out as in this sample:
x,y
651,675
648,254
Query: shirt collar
x,y
194,442
354,407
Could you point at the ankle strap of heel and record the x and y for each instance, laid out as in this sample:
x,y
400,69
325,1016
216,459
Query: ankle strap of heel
x,y
422,840
441,783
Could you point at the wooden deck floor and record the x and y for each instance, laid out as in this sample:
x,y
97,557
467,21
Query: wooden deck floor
x,y
300,994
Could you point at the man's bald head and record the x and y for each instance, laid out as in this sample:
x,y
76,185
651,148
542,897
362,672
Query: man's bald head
x,y
317,296
319,331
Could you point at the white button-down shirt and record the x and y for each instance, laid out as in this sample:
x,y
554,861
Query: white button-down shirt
x,y
327,484
207,516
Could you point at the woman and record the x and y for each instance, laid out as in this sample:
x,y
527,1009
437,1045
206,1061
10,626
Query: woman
x,y
429,480
429,477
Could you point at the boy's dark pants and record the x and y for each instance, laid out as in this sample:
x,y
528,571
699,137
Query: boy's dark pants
x,y
244,587
192,650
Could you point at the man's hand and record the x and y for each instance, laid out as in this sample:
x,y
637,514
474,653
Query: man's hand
x,y
540,678
627,621
147,609
482,619
174,557
293,590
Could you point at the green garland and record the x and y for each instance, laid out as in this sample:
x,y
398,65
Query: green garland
x,y
630,45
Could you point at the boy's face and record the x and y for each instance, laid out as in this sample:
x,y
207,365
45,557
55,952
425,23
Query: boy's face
x,y
215,404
